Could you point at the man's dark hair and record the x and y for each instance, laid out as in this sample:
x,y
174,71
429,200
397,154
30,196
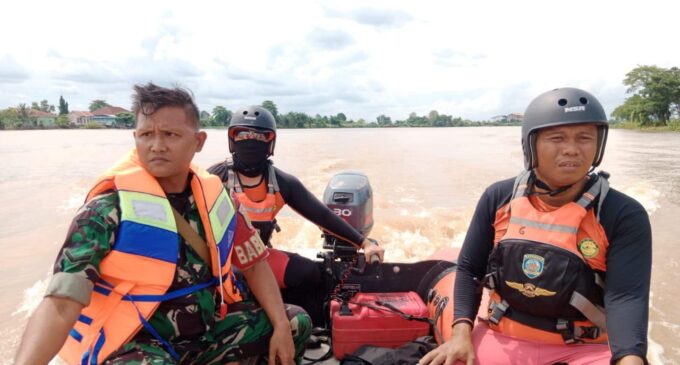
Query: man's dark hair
x,y
148,98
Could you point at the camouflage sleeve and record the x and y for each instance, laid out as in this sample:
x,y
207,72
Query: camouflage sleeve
x,y
88,240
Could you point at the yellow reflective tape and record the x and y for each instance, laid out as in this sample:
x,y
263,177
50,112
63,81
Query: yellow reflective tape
x,y
220,215
146,209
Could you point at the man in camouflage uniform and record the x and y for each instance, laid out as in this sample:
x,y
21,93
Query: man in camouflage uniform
x,y
190,324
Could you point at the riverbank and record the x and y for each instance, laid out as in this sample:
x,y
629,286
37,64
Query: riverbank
x,y
313,126
672,126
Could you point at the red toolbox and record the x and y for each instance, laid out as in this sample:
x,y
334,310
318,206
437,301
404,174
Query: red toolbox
x,y
373,324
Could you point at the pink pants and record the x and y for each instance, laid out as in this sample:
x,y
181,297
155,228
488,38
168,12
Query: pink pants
x,y
493,348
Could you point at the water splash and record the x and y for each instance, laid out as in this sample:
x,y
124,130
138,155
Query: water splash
x,y
31,299
73,202
645,194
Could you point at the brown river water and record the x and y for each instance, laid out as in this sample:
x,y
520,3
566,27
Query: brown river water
x,y
426,183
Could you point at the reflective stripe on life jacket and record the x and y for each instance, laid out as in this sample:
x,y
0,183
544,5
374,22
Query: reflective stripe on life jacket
x,y
262,213
543,269
139,269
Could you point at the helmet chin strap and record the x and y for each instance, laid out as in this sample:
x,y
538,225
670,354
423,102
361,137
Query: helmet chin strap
x,y
553,192
550,192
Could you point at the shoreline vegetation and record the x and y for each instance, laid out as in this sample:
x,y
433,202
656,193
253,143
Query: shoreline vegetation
x,y
653,105
672,126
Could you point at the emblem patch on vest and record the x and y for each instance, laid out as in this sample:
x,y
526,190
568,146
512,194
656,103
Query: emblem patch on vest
x,y
530,290
588,248
532,265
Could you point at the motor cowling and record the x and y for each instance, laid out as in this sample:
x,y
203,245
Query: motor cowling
x,y
349,195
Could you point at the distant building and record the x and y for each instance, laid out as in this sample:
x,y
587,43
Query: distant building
x,y
517,117
512,117
499,118
42,119
79,118
106,116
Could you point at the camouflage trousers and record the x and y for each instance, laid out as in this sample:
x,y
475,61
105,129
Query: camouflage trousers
x,y
243,334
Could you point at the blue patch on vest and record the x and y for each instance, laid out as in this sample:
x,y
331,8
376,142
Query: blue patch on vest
x,y
227,241
532,265
148,241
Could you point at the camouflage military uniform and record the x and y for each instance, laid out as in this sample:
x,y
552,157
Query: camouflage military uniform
x,y
191,324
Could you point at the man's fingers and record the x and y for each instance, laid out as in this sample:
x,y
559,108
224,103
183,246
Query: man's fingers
x,y
426,359
272,357
471,359
288,359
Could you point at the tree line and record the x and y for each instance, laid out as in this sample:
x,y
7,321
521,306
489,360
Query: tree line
x,y
19,118
654,99
220,118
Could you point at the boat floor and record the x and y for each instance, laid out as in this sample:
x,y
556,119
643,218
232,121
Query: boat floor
x,y
317,353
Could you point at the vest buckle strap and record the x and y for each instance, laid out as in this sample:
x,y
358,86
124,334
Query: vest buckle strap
x,y
498,311
566,329
587,332
489,281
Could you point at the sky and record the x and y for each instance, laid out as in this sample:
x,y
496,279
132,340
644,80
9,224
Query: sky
x,y
469,59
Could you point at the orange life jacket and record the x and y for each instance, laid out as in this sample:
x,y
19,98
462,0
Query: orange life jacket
x,y
262,213
543,270
139,269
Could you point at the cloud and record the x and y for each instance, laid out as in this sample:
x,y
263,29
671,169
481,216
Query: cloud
x,y
129,71
11,71
380,18
350,59
330,39
450,58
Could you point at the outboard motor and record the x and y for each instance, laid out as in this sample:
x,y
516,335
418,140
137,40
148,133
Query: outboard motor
x,y
349,195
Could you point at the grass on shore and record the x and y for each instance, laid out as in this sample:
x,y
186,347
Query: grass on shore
x,y
672,126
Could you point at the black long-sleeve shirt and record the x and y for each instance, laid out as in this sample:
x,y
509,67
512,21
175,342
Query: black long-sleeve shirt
x,y
629,262
300,199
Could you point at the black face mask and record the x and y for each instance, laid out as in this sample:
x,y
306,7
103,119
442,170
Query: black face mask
x,y
250,157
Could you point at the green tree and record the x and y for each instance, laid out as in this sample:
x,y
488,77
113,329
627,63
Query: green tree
x,y
634,109
269,105
125,120
416,121
443,120
338,120
63,106
294,120
221,116
22,114
43,106
9,119
432,116
97,104
658,91
63,121
383,120
205,118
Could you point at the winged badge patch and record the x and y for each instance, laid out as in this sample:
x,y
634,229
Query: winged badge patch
x,y
530,290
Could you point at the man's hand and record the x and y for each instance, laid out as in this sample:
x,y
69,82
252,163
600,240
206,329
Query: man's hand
x,y
371,248
458,347
281,347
